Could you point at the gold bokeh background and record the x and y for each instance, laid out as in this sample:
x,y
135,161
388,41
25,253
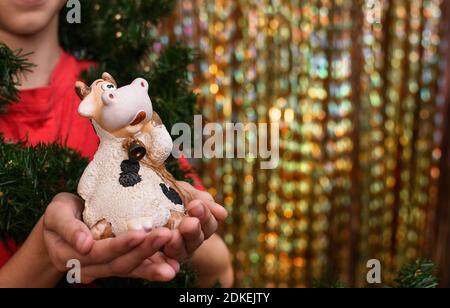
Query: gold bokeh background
x,y
359,89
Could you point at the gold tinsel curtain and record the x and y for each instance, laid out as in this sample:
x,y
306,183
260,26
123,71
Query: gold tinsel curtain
x,y
357,87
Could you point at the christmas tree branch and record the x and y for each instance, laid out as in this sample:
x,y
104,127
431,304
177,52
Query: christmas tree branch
x,y
417,274
12,63
29,178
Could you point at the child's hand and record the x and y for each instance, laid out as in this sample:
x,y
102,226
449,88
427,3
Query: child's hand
x,y
134,254
204,214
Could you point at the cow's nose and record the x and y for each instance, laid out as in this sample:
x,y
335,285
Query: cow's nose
x,y
141,82
108,98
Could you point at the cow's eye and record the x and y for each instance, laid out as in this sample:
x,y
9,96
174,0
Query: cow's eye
x,y
108,86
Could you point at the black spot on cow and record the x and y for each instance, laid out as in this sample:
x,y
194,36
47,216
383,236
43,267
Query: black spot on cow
x,y
130,167
171,194
130,173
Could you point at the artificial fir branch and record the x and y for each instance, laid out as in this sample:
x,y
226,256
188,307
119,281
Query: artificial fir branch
x,y
418,274
117,34
29,178
12,63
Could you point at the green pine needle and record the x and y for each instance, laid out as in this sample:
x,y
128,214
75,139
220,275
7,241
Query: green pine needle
x,y
417,274
12,63
29,178
97,38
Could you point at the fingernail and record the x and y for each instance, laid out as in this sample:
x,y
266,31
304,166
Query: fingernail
x,y
80,239
197,211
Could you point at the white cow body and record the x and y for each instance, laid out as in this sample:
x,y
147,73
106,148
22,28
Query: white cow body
x,y
124,193
106,198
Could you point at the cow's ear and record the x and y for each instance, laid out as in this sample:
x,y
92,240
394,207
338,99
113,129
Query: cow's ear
x,y
107,77
156,120
82,89
87,107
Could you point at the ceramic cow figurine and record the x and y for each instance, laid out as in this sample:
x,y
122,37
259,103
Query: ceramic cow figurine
x,y
126,186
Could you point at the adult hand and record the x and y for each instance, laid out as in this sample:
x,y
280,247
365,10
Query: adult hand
x,y
202,222
133,254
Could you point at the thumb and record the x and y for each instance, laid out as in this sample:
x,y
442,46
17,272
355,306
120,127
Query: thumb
x,y
63,218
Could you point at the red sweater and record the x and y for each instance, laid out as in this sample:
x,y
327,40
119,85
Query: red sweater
x,y
50,114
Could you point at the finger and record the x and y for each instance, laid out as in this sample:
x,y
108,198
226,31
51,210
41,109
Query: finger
x,y
159,257
153,242
174,264
218,211
111,248
155,272
208,222
59,251
75,203
192,234
176,249
63,217
125,264
102,252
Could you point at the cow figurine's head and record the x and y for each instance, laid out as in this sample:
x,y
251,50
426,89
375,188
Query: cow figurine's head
x,y
122,112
